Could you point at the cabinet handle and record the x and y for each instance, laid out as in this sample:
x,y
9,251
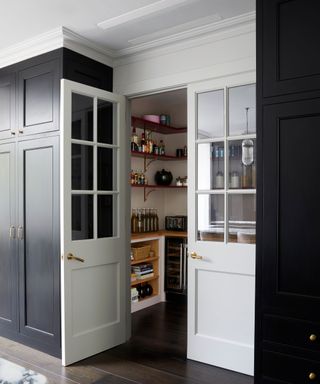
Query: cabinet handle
x,y
20,232
313,337
12,232
20,130
13,133
312,376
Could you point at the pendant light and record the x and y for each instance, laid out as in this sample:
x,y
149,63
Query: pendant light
x,y
247,145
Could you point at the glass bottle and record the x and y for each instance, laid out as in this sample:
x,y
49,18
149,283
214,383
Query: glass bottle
x,y
139,221
134,140
143,143
151,218
143,218
147,220
156,226
134,222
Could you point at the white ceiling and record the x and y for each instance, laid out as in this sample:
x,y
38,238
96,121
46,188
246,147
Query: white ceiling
x,y
126,23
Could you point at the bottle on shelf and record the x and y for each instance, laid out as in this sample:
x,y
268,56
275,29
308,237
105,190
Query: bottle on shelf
x,y
156,219
143,218
143,143
162,150
134,222
151,219
134,140
147,218
140,228
246,176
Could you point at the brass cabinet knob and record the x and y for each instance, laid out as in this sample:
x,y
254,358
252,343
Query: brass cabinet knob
x,y
194,255
312,376
313,337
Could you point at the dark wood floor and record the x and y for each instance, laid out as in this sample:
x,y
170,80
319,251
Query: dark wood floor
x,y
156,354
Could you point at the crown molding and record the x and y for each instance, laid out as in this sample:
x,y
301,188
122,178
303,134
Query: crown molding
x,y
86,47
64,37
221,30
32,47
54,39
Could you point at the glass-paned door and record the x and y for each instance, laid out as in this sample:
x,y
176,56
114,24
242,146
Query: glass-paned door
x,y
226,158
222,217
94,237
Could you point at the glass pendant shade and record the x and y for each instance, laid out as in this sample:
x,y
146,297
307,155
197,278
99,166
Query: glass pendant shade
x,y
247,145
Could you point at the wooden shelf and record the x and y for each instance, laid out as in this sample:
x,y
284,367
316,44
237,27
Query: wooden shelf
x,y
141,281
138,122
157,157
158,186
147,260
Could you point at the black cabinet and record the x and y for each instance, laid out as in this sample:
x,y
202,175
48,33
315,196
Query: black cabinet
x,y
287,347
29,193
7,106
8,249
38,98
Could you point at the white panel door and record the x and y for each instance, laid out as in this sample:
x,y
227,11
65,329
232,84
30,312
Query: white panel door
x,y
94,234
221,233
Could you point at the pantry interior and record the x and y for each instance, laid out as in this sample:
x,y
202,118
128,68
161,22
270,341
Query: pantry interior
x,y
158,198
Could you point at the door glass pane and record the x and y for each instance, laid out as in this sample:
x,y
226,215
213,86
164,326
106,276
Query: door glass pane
x,y
211,217
242,218
242,175
106,122
82,117
210,166
242,110
106,175
82,217
210,114
82,167
107,214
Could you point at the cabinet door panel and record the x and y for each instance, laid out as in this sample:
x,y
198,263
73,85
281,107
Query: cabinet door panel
x,y
8,258
39,247
290,41
7,106
39,98
290,258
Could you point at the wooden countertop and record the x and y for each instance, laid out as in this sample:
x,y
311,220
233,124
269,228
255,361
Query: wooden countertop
x,y
148,235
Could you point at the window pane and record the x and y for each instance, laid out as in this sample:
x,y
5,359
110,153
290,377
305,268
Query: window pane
x,y
82,217
106,176
242,218
242,110
106,122
82,117
211,217
241,175
210,114
107,214
210,166
82,167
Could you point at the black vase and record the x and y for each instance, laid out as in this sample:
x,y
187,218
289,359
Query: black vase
x,y
148,289
163,177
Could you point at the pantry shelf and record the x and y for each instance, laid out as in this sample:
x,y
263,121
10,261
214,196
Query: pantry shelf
x,y
148,188
138,122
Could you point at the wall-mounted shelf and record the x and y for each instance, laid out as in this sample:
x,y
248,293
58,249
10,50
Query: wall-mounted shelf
x,y
152,157
138,122
148,188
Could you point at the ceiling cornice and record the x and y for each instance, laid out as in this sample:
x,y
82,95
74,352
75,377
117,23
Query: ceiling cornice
x,y
64,37
193,33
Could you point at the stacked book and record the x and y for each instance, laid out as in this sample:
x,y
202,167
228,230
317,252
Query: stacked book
x,y
143,271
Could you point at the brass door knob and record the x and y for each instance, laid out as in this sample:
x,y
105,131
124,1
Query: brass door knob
x,y
313,337
194,255
70,256
312,376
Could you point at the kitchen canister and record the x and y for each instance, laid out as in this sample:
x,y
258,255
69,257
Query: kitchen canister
x,y
235,180
219,180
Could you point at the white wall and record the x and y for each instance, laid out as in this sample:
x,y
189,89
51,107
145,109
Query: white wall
x,y
221,54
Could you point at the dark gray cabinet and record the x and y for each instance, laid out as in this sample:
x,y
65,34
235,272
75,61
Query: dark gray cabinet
x,y
7,106
39,98
38,240
8,246
29,192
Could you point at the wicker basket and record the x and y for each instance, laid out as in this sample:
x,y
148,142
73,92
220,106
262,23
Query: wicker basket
x,y
141,252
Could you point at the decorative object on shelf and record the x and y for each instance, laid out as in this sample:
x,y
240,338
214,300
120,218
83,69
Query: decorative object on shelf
x,y
235,180
138,178
179,152
163,177
148,289
178,182
247,145
219,180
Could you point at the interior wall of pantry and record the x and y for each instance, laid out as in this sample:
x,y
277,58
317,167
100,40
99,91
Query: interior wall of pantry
x,y
167,201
